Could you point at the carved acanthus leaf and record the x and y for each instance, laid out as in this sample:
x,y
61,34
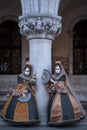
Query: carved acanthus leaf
x,y
42,27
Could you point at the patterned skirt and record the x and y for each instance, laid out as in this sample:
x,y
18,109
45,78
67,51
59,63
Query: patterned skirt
x,y
63,108
20,112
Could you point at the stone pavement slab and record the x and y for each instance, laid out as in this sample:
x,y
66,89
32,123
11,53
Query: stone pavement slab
x,y
81,127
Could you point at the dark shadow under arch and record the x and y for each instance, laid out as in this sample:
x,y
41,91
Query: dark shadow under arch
x,y
80,48
10,48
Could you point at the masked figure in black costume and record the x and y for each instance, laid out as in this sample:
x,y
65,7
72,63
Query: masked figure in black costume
x,y
63,106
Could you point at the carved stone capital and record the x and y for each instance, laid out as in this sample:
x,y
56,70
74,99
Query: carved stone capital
x,y
47,27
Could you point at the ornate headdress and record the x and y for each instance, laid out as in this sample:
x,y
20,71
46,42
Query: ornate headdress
x,y
58,63
27,64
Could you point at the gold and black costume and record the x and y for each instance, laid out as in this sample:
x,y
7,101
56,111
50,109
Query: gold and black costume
x,y
21,106
63,105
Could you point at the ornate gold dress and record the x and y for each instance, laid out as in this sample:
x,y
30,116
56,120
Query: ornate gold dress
x,y
22,108
63,107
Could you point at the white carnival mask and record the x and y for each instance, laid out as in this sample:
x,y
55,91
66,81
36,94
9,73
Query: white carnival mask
x,y
57,69
27,71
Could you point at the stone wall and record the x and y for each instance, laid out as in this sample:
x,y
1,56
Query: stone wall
x,y
7,83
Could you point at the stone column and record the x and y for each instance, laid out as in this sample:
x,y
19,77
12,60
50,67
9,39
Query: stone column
x,y
40,29
40,58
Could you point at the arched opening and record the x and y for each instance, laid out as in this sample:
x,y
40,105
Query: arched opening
x,y
10,48
80,48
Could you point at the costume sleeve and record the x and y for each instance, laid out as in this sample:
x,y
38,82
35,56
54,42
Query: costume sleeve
x,y
19,87
33,85
47,86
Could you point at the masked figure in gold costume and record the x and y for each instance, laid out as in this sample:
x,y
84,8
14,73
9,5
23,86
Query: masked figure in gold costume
x,y
63,106
21,106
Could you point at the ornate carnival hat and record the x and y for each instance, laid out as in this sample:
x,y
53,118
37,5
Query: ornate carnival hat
x,y
58,62
27,64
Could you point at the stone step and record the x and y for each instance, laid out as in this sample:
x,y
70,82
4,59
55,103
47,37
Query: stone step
x,y
81,94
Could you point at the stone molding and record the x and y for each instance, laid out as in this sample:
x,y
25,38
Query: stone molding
x,y
47,27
